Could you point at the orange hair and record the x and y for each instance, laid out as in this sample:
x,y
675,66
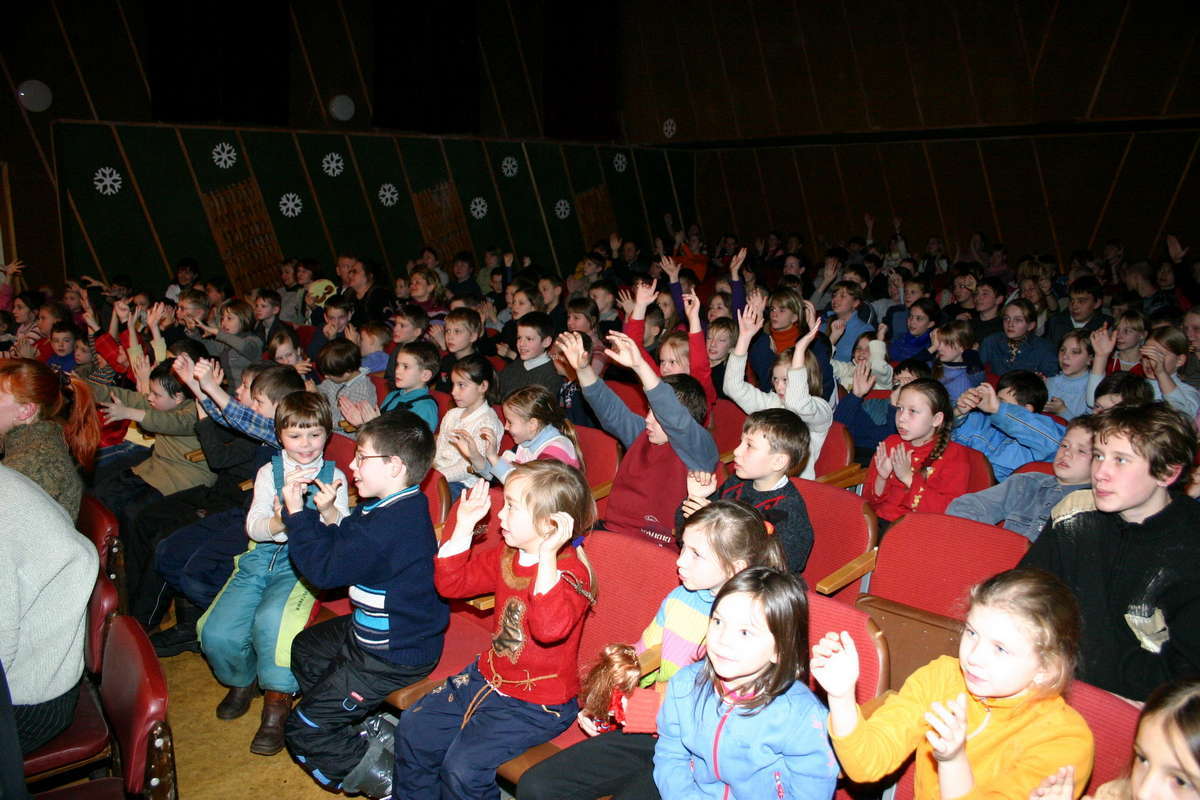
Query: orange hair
x,y
32,381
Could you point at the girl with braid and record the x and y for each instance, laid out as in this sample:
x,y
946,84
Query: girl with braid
x,y
918,468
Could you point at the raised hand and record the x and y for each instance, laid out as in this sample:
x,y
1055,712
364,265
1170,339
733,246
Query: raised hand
x,y
570,344
140,364
115,410
154,315
473,505
691,310
303,366
185,369
968,401
1175,250
837,327
830,272
1104,342
436,332
121,309
701,484
491,445
625,301
623,350
671,267
464,442
902,464
834,664
735,265
614,243
881,332
644,295
948,728
864,379
869,220
883,461
749,321
988,402
351,332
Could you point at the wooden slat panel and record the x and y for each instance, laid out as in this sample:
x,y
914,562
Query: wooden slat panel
x,y
881,55
707,81
1074,56
747,194
1079,171
1016,191
912,194
787,66
829,54
997,65
1137,85
443,224
747,81
831,217
711,205
942,85
783,191
244,235
864,189
961,192
1152,169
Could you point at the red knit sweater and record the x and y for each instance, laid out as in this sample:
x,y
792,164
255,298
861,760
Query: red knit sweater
x,y
535,648
929,493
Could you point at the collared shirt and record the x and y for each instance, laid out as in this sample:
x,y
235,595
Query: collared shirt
x,y
535,362
240,418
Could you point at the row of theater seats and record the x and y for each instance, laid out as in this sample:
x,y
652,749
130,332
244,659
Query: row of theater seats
x,y
120,729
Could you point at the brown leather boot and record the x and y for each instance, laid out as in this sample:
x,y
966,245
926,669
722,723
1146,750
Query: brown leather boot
x,y
237,701
268,740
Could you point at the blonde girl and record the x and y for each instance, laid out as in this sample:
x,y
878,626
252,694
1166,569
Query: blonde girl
x,y
522,690
991,722
717,542
538,426
956,363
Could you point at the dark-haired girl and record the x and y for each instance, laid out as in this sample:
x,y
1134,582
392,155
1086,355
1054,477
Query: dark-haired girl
x,y
743,722
473,387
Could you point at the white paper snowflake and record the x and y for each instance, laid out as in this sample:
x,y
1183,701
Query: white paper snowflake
x,y
479,208
620,163
669,127
290,205
509,166
388,195
562,209
107,181
332,164
224,155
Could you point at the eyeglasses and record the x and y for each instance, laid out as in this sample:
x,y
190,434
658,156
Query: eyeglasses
x,y
359,458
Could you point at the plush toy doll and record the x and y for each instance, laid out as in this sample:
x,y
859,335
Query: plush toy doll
x,y
608,683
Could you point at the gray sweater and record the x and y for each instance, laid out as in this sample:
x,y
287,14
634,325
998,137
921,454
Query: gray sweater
x,y
47,571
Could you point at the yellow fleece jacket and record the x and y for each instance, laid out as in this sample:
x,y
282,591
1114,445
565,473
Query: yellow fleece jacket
x,y
1013,744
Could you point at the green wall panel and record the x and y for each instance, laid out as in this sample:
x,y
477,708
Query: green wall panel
x,y
558,204
216,156
624,192
88,157
170,194
424,162
514,178
469,168
656,188
281,176
379,162
583,166
683,174
327,158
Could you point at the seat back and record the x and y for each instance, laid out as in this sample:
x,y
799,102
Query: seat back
x,y
437,492
632,396
601,455
133,692
340,450
444,402
305,334
99,525
1113,721
915,637
837,451
101,609
980,476
628,598
844,527
931,560
381,388
727,426
497,363
1035,466
487,532
825,615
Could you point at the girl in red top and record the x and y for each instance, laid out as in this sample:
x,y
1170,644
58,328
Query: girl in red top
x,y
918,468
521,691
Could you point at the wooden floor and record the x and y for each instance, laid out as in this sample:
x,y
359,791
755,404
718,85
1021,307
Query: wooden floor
x,y
213,757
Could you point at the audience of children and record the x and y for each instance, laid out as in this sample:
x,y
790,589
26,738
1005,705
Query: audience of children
x,y
1110,515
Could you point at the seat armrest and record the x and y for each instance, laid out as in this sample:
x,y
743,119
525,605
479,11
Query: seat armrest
x,y
650,659
602,491
844,478
483,603
846,574
195,456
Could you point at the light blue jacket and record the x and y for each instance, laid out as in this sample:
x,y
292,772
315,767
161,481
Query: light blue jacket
x,y
1010,438
1022,502
710,749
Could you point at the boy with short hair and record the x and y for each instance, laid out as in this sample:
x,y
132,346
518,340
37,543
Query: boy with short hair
x,y
719,341
384,552
1121,388
1023,501
1128,550
338,310
1018,346
535,334
266,314
372,337
550,287
1007,423
63,336
604,295
166,411
843,305
459,334
408,325
651,480
1085,302
340,362
774,446
416,364
247,632
989,299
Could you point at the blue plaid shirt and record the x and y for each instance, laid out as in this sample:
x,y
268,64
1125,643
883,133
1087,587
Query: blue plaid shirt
x,y
240,418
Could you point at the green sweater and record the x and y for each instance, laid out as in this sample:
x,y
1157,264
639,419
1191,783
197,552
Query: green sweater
x,y
39,452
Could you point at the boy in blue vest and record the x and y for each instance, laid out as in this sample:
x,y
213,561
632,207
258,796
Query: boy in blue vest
x,y
384,551
247,632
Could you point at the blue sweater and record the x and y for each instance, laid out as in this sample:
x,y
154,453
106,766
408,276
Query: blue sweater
x,y
1010,438
1072,391
385,555
418,401
1034,354
707,748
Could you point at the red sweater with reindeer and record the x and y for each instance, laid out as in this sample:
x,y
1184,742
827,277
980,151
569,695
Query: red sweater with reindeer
x,y
932,489
535,647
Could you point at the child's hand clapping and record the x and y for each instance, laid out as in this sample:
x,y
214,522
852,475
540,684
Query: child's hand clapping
x,y
834,664
883,461
902,464
948,728
864,379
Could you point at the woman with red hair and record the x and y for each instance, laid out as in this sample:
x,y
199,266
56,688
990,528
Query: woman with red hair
x,y
48,428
